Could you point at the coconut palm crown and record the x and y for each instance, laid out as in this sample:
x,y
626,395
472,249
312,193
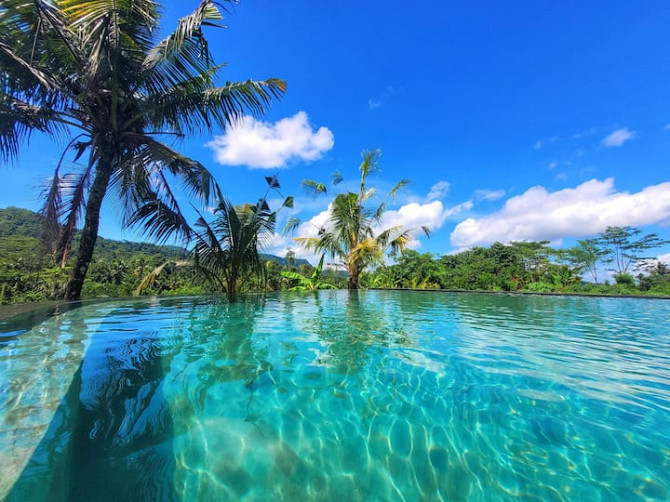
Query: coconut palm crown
x,y
352,232
96,73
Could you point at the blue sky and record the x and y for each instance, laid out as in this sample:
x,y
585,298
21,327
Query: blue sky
x,y
514,120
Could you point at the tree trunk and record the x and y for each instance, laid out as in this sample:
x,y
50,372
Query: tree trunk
x,y
353,281
90,232
232,288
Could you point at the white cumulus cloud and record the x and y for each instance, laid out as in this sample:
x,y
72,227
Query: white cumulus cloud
x,y
280,244
572,212
264,145
618,137
414,215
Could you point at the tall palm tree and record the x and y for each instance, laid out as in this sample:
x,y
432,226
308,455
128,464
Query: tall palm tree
x,y
96,72
352,231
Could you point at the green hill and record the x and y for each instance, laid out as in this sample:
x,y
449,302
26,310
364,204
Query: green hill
x,y
15,222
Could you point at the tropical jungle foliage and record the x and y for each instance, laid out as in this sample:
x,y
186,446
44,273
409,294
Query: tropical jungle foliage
x,y
308,283
536,267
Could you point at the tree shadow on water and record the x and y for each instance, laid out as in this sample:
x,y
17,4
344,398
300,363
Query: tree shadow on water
x,y
111,435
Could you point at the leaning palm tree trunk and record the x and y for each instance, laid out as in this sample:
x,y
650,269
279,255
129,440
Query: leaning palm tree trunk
x,y
89,234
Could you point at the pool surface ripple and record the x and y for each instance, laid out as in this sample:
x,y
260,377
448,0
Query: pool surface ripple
x,y
339,396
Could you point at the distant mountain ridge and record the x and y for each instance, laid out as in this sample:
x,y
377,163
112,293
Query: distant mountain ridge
x,y
19,222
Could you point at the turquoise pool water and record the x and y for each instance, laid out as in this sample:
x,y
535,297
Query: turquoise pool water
x,y
339,396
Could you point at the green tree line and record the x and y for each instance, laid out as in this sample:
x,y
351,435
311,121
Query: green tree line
x,y
536,267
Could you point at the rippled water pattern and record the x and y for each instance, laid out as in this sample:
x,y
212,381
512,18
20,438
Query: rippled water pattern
x,y
338,396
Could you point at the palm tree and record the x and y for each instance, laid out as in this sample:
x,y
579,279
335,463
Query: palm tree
x,y
95,72
227,250
351,233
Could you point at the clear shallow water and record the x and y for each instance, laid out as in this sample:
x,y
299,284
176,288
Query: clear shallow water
x,y
338,396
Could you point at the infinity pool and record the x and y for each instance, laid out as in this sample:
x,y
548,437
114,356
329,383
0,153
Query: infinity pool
x,y
339,396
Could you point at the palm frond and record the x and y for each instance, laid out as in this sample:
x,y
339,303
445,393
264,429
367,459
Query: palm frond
x,y
366,252
189,29
159,216
53,194
369,164
319,268
291,225
308,242
75,188
399,244
366,194
196,178
18,120
56,28
313,188
189,110
384,237
272,181
289,274
211,276
149,279
379,212
52,209
24,67
399,186
288,202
